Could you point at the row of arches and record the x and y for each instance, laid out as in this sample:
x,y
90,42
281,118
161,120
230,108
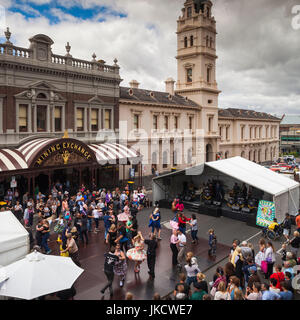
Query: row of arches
x,y
166,158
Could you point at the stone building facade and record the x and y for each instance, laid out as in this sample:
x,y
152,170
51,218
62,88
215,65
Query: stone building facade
x,y
44,94
214,133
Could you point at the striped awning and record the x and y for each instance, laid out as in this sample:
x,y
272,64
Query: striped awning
x,y
113,153
31,148
12,160
24,156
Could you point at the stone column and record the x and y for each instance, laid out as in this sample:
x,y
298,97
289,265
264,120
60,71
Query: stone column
x,y
48,118
63,118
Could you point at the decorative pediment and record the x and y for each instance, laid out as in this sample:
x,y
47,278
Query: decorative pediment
x,y
42,85
189,65
96,100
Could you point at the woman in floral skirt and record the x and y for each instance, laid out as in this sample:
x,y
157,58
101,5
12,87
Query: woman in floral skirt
x,y
120,267
137,254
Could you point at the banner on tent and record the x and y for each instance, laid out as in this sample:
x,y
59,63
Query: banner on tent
x,y
265,213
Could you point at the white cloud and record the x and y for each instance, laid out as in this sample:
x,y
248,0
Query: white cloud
x,y
258,61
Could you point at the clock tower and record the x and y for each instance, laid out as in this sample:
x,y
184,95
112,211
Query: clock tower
x,y
196,69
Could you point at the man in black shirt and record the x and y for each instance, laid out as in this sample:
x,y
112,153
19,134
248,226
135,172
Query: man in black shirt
x,y
151,254
110,260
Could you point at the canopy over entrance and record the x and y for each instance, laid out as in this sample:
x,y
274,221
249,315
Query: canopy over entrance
x,y
283,191
47,152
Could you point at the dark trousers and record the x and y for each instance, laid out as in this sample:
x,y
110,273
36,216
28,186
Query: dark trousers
x,y
194,234
83,234
270,269
175,254
124,245
44,243
151,264
110,278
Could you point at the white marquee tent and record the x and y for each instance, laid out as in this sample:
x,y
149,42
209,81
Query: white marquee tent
x,y
14,239
283,191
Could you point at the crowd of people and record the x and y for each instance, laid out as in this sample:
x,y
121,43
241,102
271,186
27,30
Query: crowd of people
x,y
248,275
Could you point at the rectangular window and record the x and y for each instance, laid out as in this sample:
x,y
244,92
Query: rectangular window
x,y
189,75
227,133
41,116
242,132
79,119
208,75
107,119
250,134
189,12
57,119
220,132
191,123
155,122
176,122
136,121
166,122
210,124
23,120
94,119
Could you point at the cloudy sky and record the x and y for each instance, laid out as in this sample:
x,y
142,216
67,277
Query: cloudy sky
x,y
257,45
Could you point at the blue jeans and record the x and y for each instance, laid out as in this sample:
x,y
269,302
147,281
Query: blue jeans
x,y
89,224
45,242
190,280
182,229
194,234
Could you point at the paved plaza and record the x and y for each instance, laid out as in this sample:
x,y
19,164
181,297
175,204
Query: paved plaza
x,y
90,283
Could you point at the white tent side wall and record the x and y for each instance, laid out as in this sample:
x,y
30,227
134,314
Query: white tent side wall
x,y
294,201
14,239
281,206
157,191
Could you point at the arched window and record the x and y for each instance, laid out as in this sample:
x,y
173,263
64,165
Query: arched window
x,y
192,40
266,155
243,154
207,41
210,42
154,158
185,42
41,96
226,154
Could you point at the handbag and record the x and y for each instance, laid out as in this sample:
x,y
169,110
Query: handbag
x,y
264,266
213,291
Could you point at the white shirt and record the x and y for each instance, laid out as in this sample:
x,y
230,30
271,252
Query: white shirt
x,y
96,214
192,270
222,296
182,239
269,255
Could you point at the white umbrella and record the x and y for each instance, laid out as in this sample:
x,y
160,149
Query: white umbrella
x,y
37,275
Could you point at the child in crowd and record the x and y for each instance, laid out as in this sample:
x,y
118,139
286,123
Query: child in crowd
x,y
212,242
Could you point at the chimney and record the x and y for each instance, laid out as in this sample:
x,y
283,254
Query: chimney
x,y
134,84
170,86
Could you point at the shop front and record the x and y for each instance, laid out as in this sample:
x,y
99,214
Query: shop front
x,y
39,164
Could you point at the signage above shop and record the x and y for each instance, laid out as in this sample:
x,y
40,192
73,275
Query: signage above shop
x,y
63,152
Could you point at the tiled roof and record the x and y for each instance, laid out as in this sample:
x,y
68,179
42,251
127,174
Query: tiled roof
x,y
242,113
155,97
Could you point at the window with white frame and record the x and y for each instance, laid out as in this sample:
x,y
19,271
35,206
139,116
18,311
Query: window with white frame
x,y
23,118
